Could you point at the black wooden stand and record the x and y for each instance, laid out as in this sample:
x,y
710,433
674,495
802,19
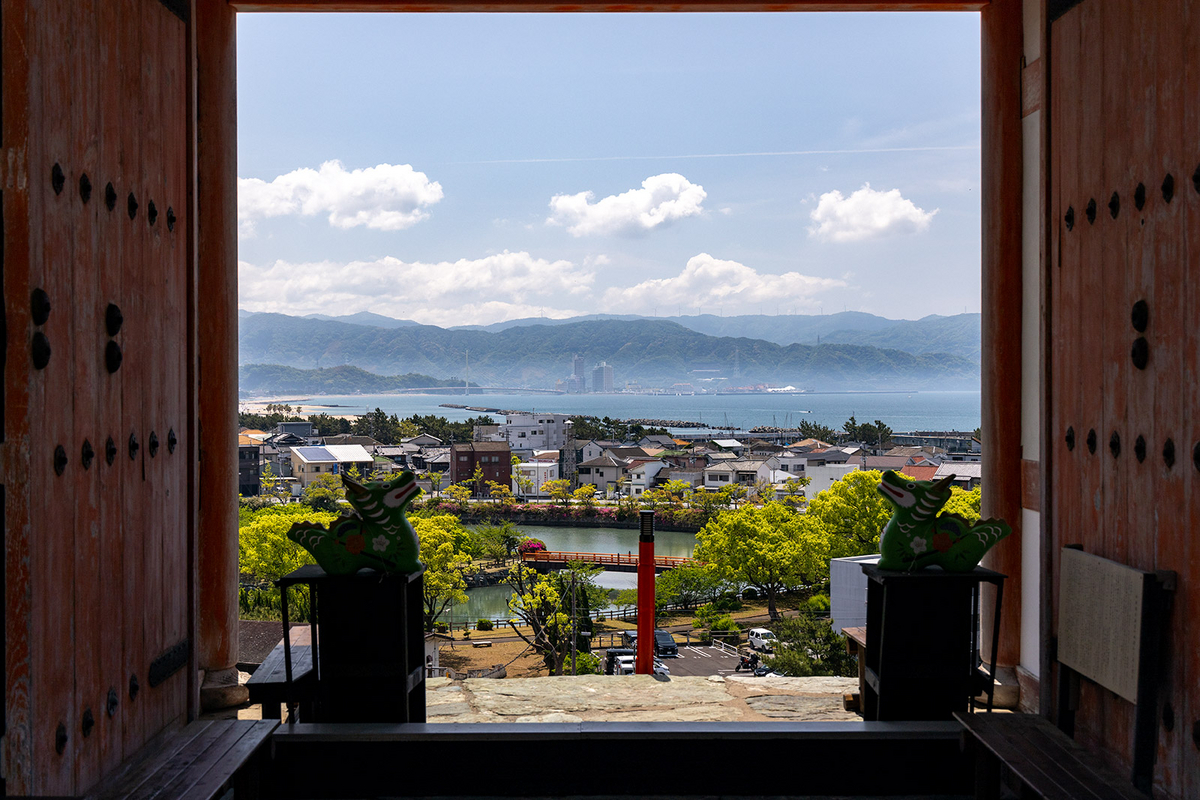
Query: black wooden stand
x,y
368,647
922,655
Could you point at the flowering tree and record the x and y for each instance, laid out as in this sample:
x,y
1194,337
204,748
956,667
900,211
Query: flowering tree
x,y
537,605
559,489
444,563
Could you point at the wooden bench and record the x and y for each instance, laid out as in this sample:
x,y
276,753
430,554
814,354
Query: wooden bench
x,y
268,684
856,645
1109,632
199,761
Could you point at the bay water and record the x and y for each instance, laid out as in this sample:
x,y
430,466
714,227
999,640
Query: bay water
x,y
902,411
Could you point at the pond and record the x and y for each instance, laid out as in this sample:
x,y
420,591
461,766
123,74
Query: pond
x,y
490,602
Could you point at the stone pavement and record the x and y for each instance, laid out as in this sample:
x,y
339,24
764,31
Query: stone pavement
x,y
639,698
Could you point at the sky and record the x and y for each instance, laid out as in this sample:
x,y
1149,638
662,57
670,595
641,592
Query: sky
x,y
461,169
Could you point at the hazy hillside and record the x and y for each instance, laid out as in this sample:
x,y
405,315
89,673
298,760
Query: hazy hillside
x,y
652,352
959,334
275,379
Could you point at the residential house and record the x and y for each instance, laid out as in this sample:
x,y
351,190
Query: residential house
x,y
422,440
823,476
794,463
349,438
882,463
536,473
958,446
605,473
594,448
728,446
719,475
249,458
967,475
920,473
658,440
749,471
528,432
494,459
640,475
312,462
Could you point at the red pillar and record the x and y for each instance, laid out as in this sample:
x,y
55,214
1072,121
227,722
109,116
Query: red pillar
x,y
644,664
216,342
1002,38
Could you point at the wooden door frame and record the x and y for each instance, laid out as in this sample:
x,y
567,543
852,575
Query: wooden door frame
x,y
1002,36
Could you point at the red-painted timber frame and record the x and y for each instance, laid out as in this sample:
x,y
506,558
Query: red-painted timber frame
x,y
1002,60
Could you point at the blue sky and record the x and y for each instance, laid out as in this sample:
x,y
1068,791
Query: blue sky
x,y
466,168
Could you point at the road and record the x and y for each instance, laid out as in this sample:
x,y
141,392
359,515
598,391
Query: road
x,y
699,661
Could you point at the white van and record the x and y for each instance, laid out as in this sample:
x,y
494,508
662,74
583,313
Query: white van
x,y
625,666
762,639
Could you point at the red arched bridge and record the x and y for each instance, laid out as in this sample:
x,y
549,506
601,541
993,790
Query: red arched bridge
x,y
551,560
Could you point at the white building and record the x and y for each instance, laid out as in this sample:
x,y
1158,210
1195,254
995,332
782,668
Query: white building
x,y
824,476
537,473
529,432
641,475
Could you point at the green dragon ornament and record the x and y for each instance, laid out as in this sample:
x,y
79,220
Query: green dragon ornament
x,y
916,537
375,535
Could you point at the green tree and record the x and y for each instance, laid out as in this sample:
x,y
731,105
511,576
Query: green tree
x,y
379,426
690,585
444,562
771,548
852,513
435,481
813,430
676,492
500,492
808,645
965,504
793,492
762,491
536,604
585,495
326,493
498,542
476,481
272,485
559,489
460,495
327,425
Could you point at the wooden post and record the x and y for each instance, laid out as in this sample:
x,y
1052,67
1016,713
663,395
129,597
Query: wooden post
x,y
216,334
644,661
1001,52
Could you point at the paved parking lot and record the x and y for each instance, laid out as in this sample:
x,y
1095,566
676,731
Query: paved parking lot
x,y
700,661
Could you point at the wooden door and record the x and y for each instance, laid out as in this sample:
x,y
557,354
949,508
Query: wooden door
x,y
96,298
1125,330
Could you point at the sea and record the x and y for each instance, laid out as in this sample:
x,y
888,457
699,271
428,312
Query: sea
x,y
901,411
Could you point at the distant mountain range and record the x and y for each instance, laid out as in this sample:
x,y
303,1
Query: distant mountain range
x,y
654,352
959,334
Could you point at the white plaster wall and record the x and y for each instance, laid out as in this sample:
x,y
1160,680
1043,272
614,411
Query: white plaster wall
x,y
1031,367
1031,580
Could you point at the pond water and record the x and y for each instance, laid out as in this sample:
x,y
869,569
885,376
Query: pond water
x,y
491,602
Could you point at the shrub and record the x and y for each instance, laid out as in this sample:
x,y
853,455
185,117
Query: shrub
x,y
818,605
587,664
442,627
749,593
727,602
483,625
530,545
809,646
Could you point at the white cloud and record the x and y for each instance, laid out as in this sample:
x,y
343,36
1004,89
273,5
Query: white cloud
x,y
388,197
480,291
866,214
708,281
662,199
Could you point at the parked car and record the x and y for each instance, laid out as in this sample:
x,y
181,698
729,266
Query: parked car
x,y
629,639
625,666
762,639
664,644
611,657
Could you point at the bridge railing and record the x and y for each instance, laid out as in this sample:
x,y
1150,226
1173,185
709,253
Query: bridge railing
x,y
604,559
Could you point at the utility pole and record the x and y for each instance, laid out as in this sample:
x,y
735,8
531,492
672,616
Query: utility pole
x,y
467,381
574,624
